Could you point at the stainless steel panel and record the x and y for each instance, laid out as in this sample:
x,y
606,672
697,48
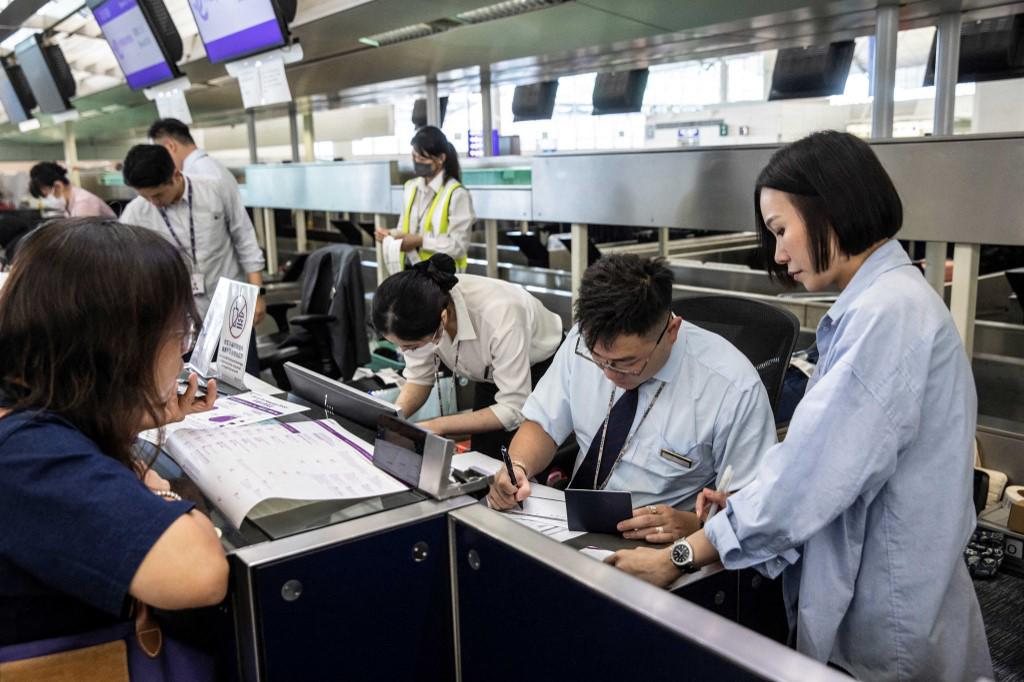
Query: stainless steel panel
x,y
958,189
723,637
1000,384
999,338
502,203
347,186
256,555
709,189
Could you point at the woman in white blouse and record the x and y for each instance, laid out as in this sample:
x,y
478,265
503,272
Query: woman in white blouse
x,y
487,330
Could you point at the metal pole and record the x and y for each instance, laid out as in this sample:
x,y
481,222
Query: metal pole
x,y
964,295
299,216
663,242
270,239
433,103
71,153
947,59
250,126
578,257
491,246
485,106
883,73
308,137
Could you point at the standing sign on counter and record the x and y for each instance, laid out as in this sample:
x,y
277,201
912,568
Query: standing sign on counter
x,y
235,332
201,360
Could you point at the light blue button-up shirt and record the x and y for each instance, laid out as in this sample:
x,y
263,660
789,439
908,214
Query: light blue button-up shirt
x,y
867,503
712,412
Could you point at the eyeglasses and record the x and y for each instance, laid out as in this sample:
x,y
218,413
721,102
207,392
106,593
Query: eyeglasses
x,y
188,338
585,353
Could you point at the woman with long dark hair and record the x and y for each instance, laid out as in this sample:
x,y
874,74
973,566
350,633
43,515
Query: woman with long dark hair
x,y
865,507
49,181
437,213
94,319
490,331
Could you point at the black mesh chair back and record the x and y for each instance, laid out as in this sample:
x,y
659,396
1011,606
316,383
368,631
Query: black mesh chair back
x,y
762,332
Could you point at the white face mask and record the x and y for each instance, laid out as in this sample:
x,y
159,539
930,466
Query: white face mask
x,y
428,349
54,203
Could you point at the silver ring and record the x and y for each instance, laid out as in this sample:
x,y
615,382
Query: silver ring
x,y
661,530
652,508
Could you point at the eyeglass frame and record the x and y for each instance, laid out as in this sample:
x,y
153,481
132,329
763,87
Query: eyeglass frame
x,y
625,372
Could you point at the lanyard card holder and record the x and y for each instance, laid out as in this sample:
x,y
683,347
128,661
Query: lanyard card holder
x,y
421,459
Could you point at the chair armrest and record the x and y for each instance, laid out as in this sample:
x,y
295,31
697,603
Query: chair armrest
x,y
310,320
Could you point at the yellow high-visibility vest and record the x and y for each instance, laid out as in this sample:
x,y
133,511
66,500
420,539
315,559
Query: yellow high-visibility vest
x,y
428,228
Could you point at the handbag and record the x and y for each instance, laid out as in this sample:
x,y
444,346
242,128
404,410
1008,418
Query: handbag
x,y
133,651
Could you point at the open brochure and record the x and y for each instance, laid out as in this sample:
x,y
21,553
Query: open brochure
x,y
230,410
238,468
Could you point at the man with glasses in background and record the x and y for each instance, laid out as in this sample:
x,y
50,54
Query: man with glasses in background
x,y
659,406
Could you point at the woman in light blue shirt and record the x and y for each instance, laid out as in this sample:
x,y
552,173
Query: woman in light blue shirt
x,y
866,506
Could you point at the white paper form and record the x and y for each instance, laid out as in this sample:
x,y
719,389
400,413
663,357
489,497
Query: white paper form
x,y
313,460
544,512
231,410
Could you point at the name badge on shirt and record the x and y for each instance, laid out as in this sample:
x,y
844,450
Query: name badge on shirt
x,y
198,284
676,458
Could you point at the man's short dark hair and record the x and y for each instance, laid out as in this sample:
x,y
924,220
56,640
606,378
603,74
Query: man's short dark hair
x,y
147,165
172,128
623,295
838,185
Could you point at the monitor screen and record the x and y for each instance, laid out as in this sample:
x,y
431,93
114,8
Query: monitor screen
x,y
232,29
40,77
9,97
132,40
336,398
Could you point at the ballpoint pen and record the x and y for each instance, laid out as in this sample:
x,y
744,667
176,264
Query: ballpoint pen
x,y
511,471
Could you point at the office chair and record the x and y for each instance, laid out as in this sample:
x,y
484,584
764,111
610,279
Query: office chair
x,y
305,339
762,332
330,337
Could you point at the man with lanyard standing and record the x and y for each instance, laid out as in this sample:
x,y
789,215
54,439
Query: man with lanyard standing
x,y
197,214
176,138
659,406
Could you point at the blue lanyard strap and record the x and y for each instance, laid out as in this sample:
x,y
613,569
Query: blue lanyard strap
x,y
191,225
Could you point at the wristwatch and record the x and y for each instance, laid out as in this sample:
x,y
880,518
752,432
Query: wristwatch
x,y
682,556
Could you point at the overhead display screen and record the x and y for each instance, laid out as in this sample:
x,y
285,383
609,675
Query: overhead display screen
x,y
9,96
232,29
132,40
37,69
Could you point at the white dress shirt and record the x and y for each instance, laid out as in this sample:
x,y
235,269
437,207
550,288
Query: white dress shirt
x,y
225,239
455,242
502,331
713,411
201,164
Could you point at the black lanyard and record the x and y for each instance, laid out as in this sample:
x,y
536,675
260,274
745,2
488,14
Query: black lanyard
x,y
191,225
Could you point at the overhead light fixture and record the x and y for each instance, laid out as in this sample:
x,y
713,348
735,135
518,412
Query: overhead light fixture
x,y
397,35
501,10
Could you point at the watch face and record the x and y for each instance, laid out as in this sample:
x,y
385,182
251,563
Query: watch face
x,y
681,554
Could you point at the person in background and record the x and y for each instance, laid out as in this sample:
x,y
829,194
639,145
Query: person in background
x,y
176,138
491,331
49,181
204,220
865,508
94,319
659,406
437,213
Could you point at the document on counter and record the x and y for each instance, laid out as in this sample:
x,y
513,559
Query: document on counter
x,y
238,468
544,512
231,410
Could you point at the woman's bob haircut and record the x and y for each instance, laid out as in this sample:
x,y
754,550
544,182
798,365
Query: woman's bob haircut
x,y
843,194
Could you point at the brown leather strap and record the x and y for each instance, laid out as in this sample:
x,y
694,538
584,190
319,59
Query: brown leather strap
x,y
147,631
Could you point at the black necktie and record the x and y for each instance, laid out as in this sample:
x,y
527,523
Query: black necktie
x,y
619,421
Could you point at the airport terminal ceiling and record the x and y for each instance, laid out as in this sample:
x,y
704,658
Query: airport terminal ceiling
x,y
560,38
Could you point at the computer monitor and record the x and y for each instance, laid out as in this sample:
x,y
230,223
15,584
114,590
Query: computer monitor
x,y
232,29
47,73
15,95
143,44
336,398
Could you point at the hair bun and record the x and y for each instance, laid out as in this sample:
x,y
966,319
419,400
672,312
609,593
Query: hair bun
x,y
441,269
